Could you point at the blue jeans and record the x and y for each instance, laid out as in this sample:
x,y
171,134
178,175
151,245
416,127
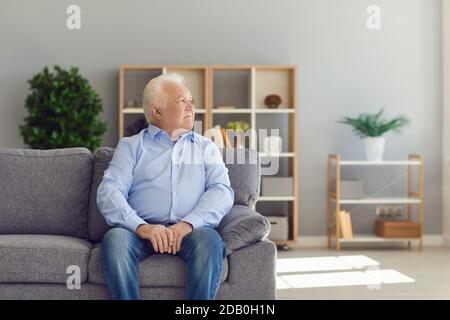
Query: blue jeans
x,y
203,250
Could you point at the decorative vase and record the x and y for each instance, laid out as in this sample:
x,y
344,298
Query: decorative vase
x,y
374,148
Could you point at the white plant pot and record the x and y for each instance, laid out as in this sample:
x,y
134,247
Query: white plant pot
x,y
374,148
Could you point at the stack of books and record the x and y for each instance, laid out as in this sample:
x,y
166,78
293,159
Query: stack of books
x,y
345,225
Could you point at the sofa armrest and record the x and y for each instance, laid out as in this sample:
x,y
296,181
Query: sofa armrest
x,y
241,227
252,271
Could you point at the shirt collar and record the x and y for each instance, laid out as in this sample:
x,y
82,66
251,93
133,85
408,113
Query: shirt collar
x,y
190,135
153,131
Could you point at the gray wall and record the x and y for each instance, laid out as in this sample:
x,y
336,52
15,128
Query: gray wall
x,y
343,69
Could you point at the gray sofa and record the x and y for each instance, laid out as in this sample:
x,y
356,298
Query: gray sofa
x,y
49,221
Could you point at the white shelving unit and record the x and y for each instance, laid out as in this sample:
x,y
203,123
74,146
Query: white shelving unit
x,y
334,201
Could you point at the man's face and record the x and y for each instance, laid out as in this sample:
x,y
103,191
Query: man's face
x,y
179,110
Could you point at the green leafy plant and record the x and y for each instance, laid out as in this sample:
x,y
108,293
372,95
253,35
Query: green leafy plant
x,y
63,111
371,125
238,125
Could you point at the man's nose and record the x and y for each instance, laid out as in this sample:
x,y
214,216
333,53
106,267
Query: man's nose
x,y
189,105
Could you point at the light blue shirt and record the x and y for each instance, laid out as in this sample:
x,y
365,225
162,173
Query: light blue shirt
x,y
152,179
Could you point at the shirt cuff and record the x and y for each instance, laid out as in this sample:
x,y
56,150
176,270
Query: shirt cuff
x,y
133,221
195,221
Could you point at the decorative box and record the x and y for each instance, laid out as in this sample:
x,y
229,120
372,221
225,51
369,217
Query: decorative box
x,y
397,229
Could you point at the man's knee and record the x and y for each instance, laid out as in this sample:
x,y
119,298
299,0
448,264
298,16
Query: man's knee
x,y
208,241
117,241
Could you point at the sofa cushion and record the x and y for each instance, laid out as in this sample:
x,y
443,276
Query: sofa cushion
x,y
42,258
241,227
158,270
243,169
45,191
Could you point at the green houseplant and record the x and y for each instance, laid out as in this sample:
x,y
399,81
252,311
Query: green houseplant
x,y
239,127
371,128
63,111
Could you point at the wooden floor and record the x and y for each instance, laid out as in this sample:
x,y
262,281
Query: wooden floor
x,y
430,269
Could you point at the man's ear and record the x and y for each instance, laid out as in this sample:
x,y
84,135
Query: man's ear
x,y
155,112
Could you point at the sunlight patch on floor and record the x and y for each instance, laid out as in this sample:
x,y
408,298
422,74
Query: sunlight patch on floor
x,y
332,279
311,264
314,272
389,276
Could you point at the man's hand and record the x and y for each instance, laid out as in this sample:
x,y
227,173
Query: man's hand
x,y
179,231
161,238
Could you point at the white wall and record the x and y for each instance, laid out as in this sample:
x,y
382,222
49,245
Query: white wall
x,y
343,69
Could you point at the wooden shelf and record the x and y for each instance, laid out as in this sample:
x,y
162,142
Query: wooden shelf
x,y
276,198
285,110
379,201
277,155
379,163
233,111
363,238
412,198
133,110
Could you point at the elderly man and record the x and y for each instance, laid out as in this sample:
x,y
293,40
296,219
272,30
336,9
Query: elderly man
x,y
165,190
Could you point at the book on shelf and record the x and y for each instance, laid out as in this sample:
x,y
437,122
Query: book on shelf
x,y
345,225
221,138
226,138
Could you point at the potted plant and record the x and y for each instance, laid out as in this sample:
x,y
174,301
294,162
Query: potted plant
x,y
239,127
370,127
63,111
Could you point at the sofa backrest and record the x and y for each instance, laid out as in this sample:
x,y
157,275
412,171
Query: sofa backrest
x,y
97,226
243,169
45,191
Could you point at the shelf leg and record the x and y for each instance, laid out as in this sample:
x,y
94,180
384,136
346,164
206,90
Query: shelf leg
x,y
329,225
338,206
338,235
329,209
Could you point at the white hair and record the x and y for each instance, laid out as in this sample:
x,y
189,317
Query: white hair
x,y
152,91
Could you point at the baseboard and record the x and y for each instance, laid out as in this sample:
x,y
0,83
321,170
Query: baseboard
x,y
322,241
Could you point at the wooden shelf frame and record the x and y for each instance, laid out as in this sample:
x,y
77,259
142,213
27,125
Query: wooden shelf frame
x,y
287,74
334,200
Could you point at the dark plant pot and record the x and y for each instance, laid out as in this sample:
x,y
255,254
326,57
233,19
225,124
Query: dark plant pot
x,y
272,106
